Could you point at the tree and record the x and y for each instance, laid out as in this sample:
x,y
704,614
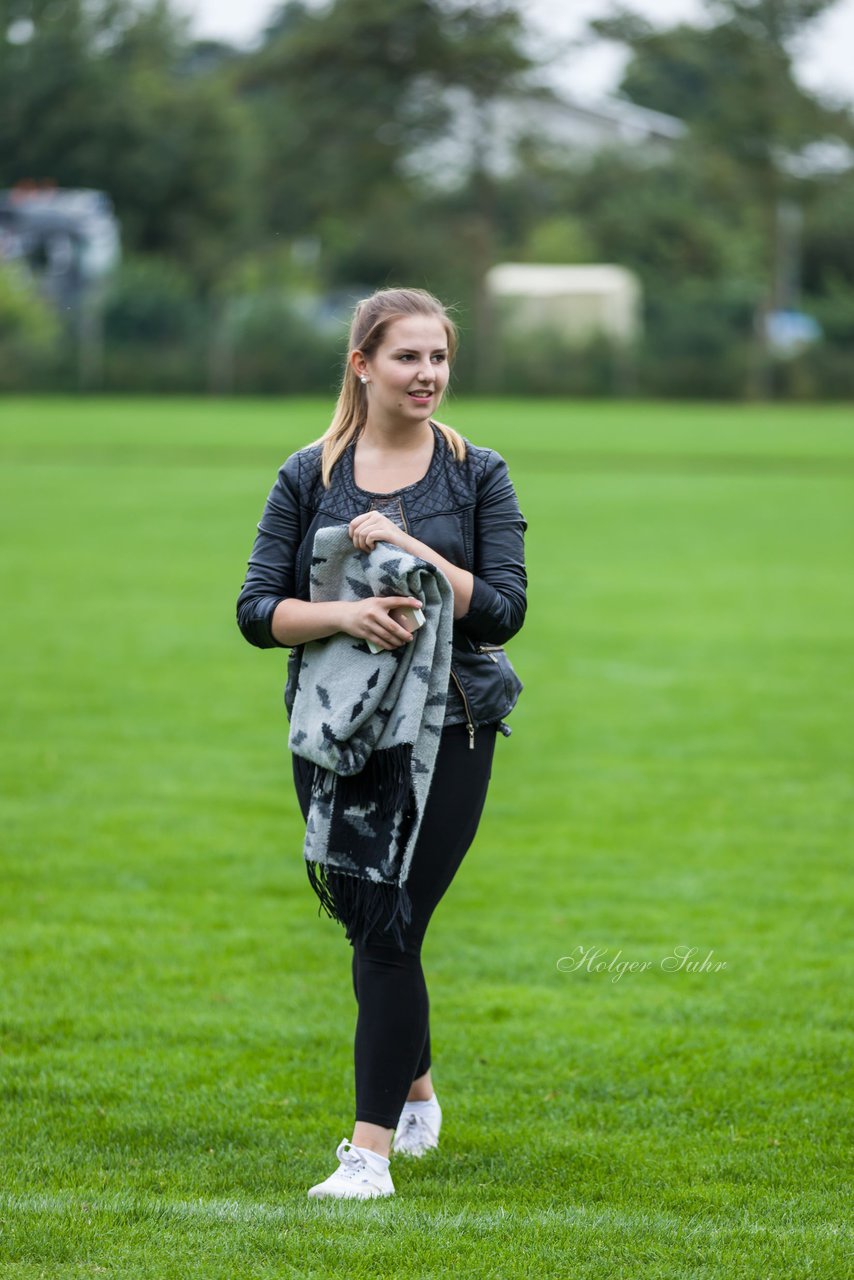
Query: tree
x,y
347,93
93,93
733,83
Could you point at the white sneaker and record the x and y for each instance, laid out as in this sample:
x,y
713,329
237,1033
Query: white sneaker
x,y
357,1176
418,1129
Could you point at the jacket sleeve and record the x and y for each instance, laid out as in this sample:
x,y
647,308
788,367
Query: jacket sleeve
x,y
499,600
270,576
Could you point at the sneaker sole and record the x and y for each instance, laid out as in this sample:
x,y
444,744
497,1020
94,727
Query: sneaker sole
x,y
333,1195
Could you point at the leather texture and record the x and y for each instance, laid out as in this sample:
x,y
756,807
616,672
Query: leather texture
x,y
465,511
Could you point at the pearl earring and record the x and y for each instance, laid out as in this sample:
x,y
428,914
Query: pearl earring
x,y
363,379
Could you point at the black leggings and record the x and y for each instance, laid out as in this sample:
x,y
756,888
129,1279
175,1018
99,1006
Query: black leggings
x,y
392,1044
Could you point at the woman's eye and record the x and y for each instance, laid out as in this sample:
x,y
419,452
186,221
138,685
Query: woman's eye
x,y
440,359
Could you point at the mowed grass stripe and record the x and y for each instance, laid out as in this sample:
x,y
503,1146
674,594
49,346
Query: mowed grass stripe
x,y
505,1218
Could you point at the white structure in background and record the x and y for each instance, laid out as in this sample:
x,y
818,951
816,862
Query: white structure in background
x,y
577,302
68,239
563,124
489,136
68,242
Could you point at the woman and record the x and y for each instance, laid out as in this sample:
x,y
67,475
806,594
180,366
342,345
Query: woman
x,y
390,473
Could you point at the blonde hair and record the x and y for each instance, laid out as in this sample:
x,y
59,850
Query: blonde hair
x,y
371,319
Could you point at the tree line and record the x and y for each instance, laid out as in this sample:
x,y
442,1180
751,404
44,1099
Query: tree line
x,y
256,189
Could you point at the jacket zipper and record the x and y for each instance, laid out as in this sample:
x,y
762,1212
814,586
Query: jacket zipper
x,y
490,650
469,722
404,523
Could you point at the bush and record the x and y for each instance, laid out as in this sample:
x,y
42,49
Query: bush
x,y
155,329
697,342
544,362
29,331
278,344
150,301
825,370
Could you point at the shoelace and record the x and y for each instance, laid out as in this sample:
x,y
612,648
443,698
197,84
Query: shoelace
x,y
352,1164
417,1130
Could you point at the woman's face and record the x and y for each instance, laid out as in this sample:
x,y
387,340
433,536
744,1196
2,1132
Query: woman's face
x,y
408,372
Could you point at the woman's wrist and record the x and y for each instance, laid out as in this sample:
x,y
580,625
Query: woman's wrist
x,y
461,580
415,548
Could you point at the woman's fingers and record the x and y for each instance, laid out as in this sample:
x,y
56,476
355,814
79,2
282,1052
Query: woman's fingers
x,y
371,527
372,620
400,602
391,631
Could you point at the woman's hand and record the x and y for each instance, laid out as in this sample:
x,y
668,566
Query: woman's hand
x,y
371,619
372,527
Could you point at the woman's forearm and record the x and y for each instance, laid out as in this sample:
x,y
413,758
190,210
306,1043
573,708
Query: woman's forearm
x,y
461,580
298,621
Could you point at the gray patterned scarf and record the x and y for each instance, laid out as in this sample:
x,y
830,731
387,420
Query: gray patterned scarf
x,y
370,724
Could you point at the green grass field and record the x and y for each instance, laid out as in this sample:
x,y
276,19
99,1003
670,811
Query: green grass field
x,y
177,1020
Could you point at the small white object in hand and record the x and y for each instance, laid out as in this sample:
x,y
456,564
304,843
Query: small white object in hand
x,y
411,619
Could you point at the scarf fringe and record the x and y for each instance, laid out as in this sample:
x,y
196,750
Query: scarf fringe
x,y
361,905
384,781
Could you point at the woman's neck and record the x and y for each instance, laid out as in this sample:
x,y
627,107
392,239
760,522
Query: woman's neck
x,y
406,438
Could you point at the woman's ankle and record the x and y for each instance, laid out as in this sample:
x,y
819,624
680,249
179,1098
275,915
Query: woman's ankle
x,y
421,1089
372,1136
430,1097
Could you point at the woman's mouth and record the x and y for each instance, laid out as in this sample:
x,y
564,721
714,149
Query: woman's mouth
x,y
421,395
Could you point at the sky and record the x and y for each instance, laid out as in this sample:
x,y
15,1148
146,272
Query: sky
x,y
824,62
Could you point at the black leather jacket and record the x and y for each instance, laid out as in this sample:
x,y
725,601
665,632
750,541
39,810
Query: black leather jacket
x,y
465,511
